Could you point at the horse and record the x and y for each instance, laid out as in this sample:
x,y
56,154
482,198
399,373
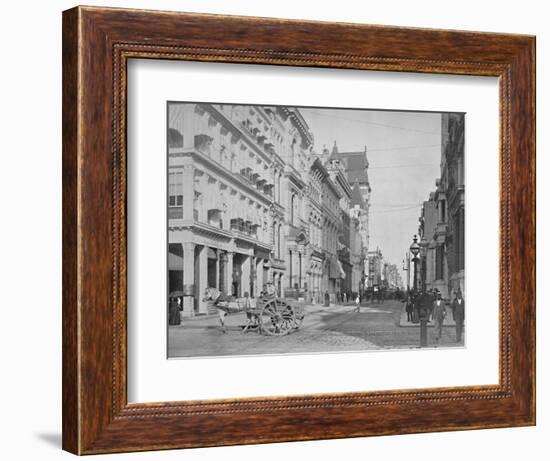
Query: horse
x,y
217,298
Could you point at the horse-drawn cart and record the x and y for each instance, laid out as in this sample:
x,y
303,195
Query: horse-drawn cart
x,y
267,315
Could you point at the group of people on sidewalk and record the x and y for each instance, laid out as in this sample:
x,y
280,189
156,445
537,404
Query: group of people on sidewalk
x,y
432,306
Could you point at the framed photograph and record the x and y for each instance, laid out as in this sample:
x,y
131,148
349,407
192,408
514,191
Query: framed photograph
x,y
272,228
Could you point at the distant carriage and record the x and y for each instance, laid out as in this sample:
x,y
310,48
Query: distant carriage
x,y
271,315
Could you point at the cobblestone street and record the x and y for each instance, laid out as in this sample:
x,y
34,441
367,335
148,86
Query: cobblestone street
x,y
325,329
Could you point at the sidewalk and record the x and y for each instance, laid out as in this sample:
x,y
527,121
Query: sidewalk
x,y
447,322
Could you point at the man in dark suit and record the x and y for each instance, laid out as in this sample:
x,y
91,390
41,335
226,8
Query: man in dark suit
x,y
459,307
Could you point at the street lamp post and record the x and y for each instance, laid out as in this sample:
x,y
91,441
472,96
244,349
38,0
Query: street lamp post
x,y
415,249
422,310
407,269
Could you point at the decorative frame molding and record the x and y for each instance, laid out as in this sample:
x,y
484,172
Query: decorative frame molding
x,y
97,43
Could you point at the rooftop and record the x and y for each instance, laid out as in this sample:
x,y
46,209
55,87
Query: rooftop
x,y
355,164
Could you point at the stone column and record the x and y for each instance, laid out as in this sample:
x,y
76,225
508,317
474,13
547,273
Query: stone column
x,y
188,279
291,271
202,277
222,270
218,270
296,269
259,276
229,274
254,275
301,274
245,276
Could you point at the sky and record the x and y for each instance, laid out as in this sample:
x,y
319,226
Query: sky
x,y
404,153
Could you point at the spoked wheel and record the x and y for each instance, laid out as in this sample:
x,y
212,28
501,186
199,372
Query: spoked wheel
x,y
275,318
297,319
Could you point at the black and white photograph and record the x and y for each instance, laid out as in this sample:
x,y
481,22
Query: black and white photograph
x,y
310,229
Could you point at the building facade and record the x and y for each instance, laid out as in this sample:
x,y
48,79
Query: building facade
x,y
250,203
441,227
339,178
317,284
392,277
375,276
433,233
355,165
359,239
452,129
223,188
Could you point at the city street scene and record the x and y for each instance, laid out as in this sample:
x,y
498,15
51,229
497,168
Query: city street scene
x,y
312,230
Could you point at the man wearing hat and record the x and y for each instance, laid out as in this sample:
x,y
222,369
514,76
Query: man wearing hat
x,y
458,307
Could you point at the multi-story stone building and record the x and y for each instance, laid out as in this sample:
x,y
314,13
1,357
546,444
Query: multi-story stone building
x,y
442,218
249,202
359,239
333,271
295,181
317,176
375,274
224,197
338,176
433,272
452,172
356,167
392,276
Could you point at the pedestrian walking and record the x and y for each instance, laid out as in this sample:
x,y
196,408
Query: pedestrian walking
x,y
327,299
439,314
357,304
174,317
409,308
458,307
433,295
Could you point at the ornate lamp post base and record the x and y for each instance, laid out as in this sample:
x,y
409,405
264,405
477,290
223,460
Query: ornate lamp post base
x,y
423,333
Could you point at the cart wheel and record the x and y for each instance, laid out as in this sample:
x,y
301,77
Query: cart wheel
x,y
289,315
274,318
298,319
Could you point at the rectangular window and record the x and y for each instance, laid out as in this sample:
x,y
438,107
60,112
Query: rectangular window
x,y
175,189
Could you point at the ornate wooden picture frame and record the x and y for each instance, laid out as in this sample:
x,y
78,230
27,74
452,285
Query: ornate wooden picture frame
x,y
97,44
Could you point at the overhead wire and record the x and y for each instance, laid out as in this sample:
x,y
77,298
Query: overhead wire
x,y
331,115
